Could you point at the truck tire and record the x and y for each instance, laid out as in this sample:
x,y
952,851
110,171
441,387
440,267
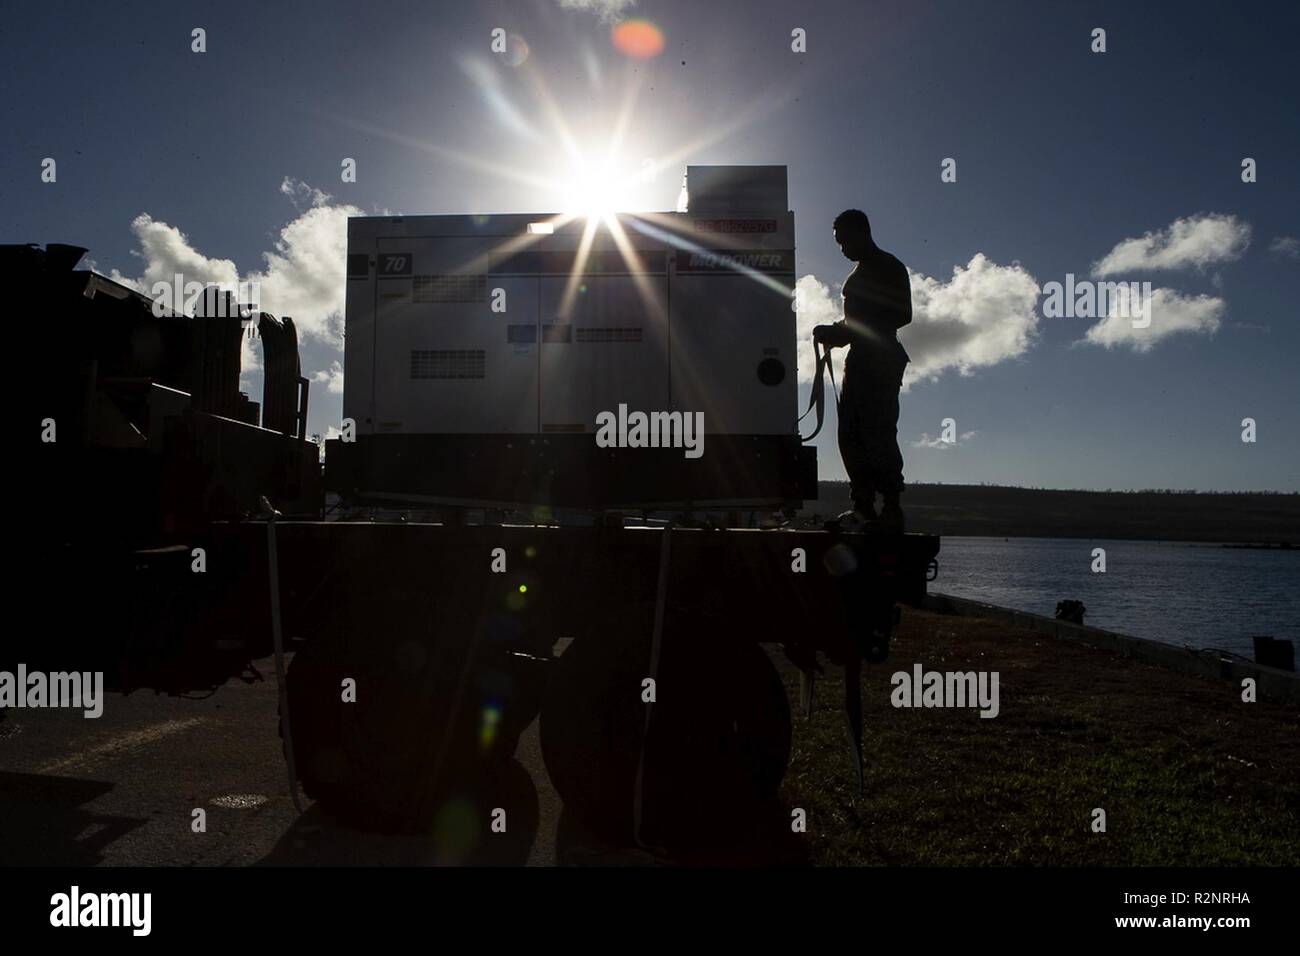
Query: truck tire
x,y
385,761
716,750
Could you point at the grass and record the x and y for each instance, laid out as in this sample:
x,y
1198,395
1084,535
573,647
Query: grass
x,y
1187,773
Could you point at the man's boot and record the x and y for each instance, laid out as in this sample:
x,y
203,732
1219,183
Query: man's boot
x,y
891,515
861,518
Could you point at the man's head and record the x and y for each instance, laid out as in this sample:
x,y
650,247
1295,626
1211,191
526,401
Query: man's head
x,y
853,233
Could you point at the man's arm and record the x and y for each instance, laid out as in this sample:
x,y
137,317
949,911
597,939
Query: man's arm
x,y
896,297
899,303
835,335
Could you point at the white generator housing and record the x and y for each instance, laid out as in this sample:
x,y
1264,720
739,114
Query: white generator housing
x,y
480,351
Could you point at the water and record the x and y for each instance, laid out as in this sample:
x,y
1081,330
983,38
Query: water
x,y
1198,595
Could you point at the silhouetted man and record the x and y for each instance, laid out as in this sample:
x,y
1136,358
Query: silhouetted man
x,y
877,303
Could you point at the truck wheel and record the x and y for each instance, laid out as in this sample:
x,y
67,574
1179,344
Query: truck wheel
x,y
716,750
413,734
357,759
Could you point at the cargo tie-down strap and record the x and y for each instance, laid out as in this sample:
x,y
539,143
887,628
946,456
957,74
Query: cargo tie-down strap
x,y
817,400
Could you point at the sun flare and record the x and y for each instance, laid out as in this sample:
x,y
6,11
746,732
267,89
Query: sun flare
x,y
598,191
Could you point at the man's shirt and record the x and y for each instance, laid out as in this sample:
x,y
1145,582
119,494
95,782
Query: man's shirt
x,y
876,303
877,298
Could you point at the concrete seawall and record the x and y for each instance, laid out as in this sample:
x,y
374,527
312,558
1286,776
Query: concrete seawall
x,y
1272,684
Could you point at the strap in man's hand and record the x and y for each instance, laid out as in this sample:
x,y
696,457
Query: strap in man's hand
x,y
817,398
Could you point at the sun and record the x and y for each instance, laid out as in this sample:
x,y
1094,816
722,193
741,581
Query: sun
x,y
599,190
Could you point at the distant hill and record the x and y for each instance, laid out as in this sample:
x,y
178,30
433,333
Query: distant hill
x,y
996,511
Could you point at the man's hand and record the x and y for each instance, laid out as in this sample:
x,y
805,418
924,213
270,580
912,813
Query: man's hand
x,y
832,336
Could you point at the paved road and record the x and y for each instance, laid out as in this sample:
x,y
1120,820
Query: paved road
x,y
122,789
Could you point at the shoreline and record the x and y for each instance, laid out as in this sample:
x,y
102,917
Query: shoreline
x,y
998,511
1278,685
1188,542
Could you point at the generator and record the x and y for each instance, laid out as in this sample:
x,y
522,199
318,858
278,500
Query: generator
x,y
481,352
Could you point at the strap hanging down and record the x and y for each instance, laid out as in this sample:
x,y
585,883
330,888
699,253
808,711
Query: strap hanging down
x,y
817,400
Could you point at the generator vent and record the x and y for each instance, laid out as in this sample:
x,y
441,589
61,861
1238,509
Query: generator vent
x,y
611,334
448,363
449,288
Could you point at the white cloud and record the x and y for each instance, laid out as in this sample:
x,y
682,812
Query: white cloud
x,y
306,272
983,315
607,9
925,441
331,377
1197,241
300,194
304,275
1171,313
816,307
166,251
1285,246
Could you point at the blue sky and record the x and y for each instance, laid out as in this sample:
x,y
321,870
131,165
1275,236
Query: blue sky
x,y
167,156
